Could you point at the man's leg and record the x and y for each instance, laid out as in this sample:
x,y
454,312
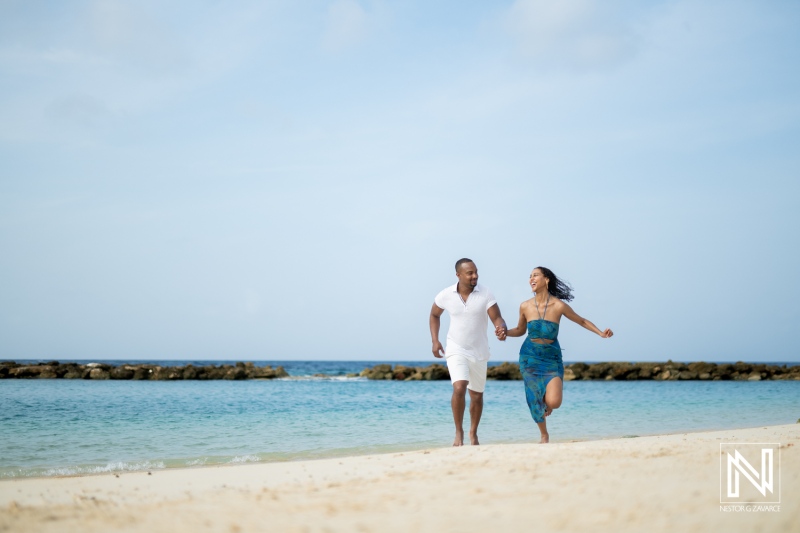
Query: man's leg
x,y
477,383
458,403
475,411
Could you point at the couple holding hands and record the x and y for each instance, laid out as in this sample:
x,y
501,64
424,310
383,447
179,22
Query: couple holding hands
x,y
470,306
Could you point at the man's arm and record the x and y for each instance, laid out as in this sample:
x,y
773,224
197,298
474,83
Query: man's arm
x,y
435,322
500,328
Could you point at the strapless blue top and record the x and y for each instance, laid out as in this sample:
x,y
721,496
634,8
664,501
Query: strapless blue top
x,y
543,329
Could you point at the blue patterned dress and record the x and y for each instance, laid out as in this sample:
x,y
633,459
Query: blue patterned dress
x,y
539,363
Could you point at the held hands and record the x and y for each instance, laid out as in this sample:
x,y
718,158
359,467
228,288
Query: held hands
x,y
500,332
438,349
607,334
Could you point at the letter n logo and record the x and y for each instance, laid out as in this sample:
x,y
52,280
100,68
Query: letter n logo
x,y
747,472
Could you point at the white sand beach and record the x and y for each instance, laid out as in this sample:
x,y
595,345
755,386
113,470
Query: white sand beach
x,y
654,483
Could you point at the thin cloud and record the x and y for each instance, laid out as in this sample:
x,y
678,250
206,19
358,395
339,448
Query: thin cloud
x,y
577,34
132,36
346,25
80,109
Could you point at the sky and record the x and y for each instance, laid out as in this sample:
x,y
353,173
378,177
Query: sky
x,y
295,180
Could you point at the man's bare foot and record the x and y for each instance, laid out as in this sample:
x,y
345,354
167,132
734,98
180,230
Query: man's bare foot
x,y
473,439
545,438
459,440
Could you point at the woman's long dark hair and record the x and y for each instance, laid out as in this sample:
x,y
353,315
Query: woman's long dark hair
x,y
558,288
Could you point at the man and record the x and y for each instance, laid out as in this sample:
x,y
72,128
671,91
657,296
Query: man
x,y
467,351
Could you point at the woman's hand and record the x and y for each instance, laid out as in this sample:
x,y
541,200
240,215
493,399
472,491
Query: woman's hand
x,y
607,334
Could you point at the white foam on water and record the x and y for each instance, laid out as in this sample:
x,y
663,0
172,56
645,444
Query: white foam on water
x,y
244,459
321,378
84,469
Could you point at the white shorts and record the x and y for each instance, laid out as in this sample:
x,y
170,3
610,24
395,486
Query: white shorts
x,y
463,369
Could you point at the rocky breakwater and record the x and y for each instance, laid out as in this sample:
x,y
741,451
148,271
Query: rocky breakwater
x,y
669,371
434,372
56,370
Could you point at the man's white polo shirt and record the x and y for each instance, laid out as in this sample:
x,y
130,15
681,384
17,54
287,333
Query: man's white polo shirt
x,y
468,322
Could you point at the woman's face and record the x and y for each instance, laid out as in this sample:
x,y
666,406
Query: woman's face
x,y
538,281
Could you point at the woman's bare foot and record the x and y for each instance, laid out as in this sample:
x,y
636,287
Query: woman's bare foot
x,y
547,411
473,439
459,440
545,438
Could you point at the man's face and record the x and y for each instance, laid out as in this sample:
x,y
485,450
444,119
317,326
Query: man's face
x,y
467,275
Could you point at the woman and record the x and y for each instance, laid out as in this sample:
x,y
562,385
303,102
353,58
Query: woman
x,y
540,356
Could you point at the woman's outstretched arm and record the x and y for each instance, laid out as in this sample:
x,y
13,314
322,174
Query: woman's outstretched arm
x,y
575,317
521,327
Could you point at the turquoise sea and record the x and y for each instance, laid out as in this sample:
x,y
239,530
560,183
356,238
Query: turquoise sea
x,y
65,427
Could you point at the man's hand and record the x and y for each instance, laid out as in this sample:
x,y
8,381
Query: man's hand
x,y
438,349
500,332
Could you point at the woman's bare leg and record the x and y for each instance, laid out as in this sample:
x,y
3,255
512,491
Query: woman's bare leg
x,y
553,396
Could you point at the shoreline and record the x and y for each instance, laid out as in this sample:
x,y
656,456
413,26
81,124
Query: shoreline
x,y
350,453
658,482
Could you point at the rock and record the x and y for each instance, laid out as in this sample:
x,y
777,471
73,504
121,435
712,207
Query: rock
x,y
121,372
723,371
158,373
48,374
597,371
98,373
142,372
236,373
267,372
505,371
401,372
377,372
755,376
620,371
569,374
577,369
436,372
702,368
77,373
646,371
63,369
25,372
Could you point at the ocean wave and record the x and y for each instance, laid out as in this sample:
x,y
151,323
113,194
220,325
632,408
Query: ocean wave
x,y
319,378
244,459
83,469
